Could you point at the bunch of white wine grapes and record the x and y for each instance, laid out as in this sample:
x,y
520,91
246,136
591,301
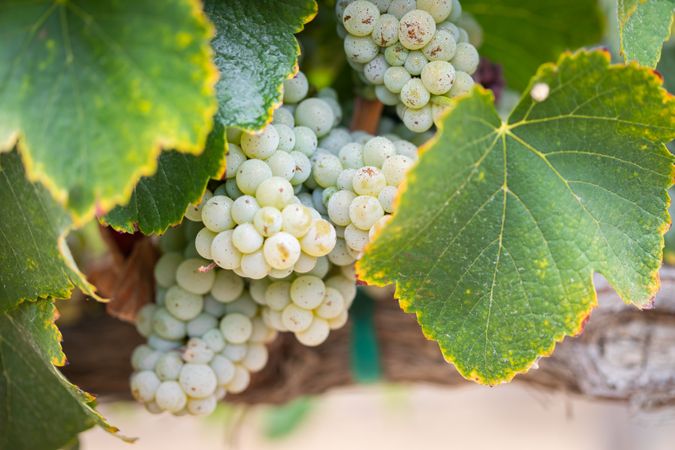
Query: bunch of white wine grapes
x,y
412,51
205,335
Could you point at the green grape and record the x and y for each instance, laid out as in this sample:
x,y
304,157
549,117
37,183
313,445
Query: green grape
x,y
360,50
296,88
359,17
335,140
382,5
450,28
190,277
200,325
305,140
216,213
377,150
351,155
316,115
244,208
326,169
283,116
439,9
344,180
286,138
418,120
398,8
203,242
385,96
395,78
369,180
415,62
281,250
395,168
231,188
355,239
396,55
227,286
375,69
416,29
463,84
414,95
233,135
275,191
338,207
364,211
167,326
385,30
282,164
302,169
260,144
233,160
268,221
250,174
466,58
442,47
165,269
438,77
246,239
386,197
456,11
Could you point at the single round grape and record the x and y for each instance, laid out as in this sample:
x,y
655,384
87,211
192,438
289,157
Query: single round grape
x,y
296,88
386,197
235,352
165,269
305,140
317,201
244,208
227,286
441,48
276,192
332,304
236,328
203,242
335,140
345,179
321,268
406,148
335,107
351,155
223,368
359,50
201,324
327,193
223,251
341,254
456,11
375,69
144,358
395,78
202,406
416,28
144,385
233,135
382,5
368,180
398,8
345,285
364,211
378,226
282,165
385,30
194,211
283,116
439,9
286,139
231,188
414,95
256,357
307,291
315,114
326,169
462,85
268,221
302,168
355,238
466,58
168,366
463,36
418,120
339,321
295,318
241,380
415,62
338,207
216,214
377,150
162,344
359,18
197,352
320,238
304,264
182,304
272,319
192,279
213,306
395,168
197,380
254,265
396,55
246,238
250,174
296,220
385,96
234,158
261,144
281,250
243,305
214,339
450,28
160,293
315,334
144,319
278,295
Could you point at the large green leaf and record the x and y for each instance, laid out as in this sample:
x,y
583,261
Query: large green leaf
x,y
40,409
92,90
522,34
255,52
34,259
643,27
502,225
160,201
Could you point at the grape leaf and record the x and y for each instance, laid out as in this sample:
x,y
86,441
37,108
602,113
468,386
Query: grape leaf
x,y
91,90
502,224
41,409
160,200
643,27
255,52
521,35
34,257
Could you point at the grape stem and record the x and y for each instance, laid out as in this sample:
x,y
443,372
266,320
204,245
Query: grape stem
x,y
366,115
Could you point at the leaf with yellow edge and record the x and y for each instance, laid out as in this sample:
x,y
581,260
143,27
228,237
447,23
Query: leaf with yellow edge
x,y
643,27
502,224
92,91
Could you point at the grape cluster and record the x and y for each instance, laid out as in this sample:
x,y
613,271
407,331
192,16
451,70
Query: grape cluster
x,y
412,51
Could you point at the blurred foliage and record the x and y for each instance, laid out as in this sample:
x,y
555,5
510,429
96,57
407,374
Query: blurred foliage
x,y
280,421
